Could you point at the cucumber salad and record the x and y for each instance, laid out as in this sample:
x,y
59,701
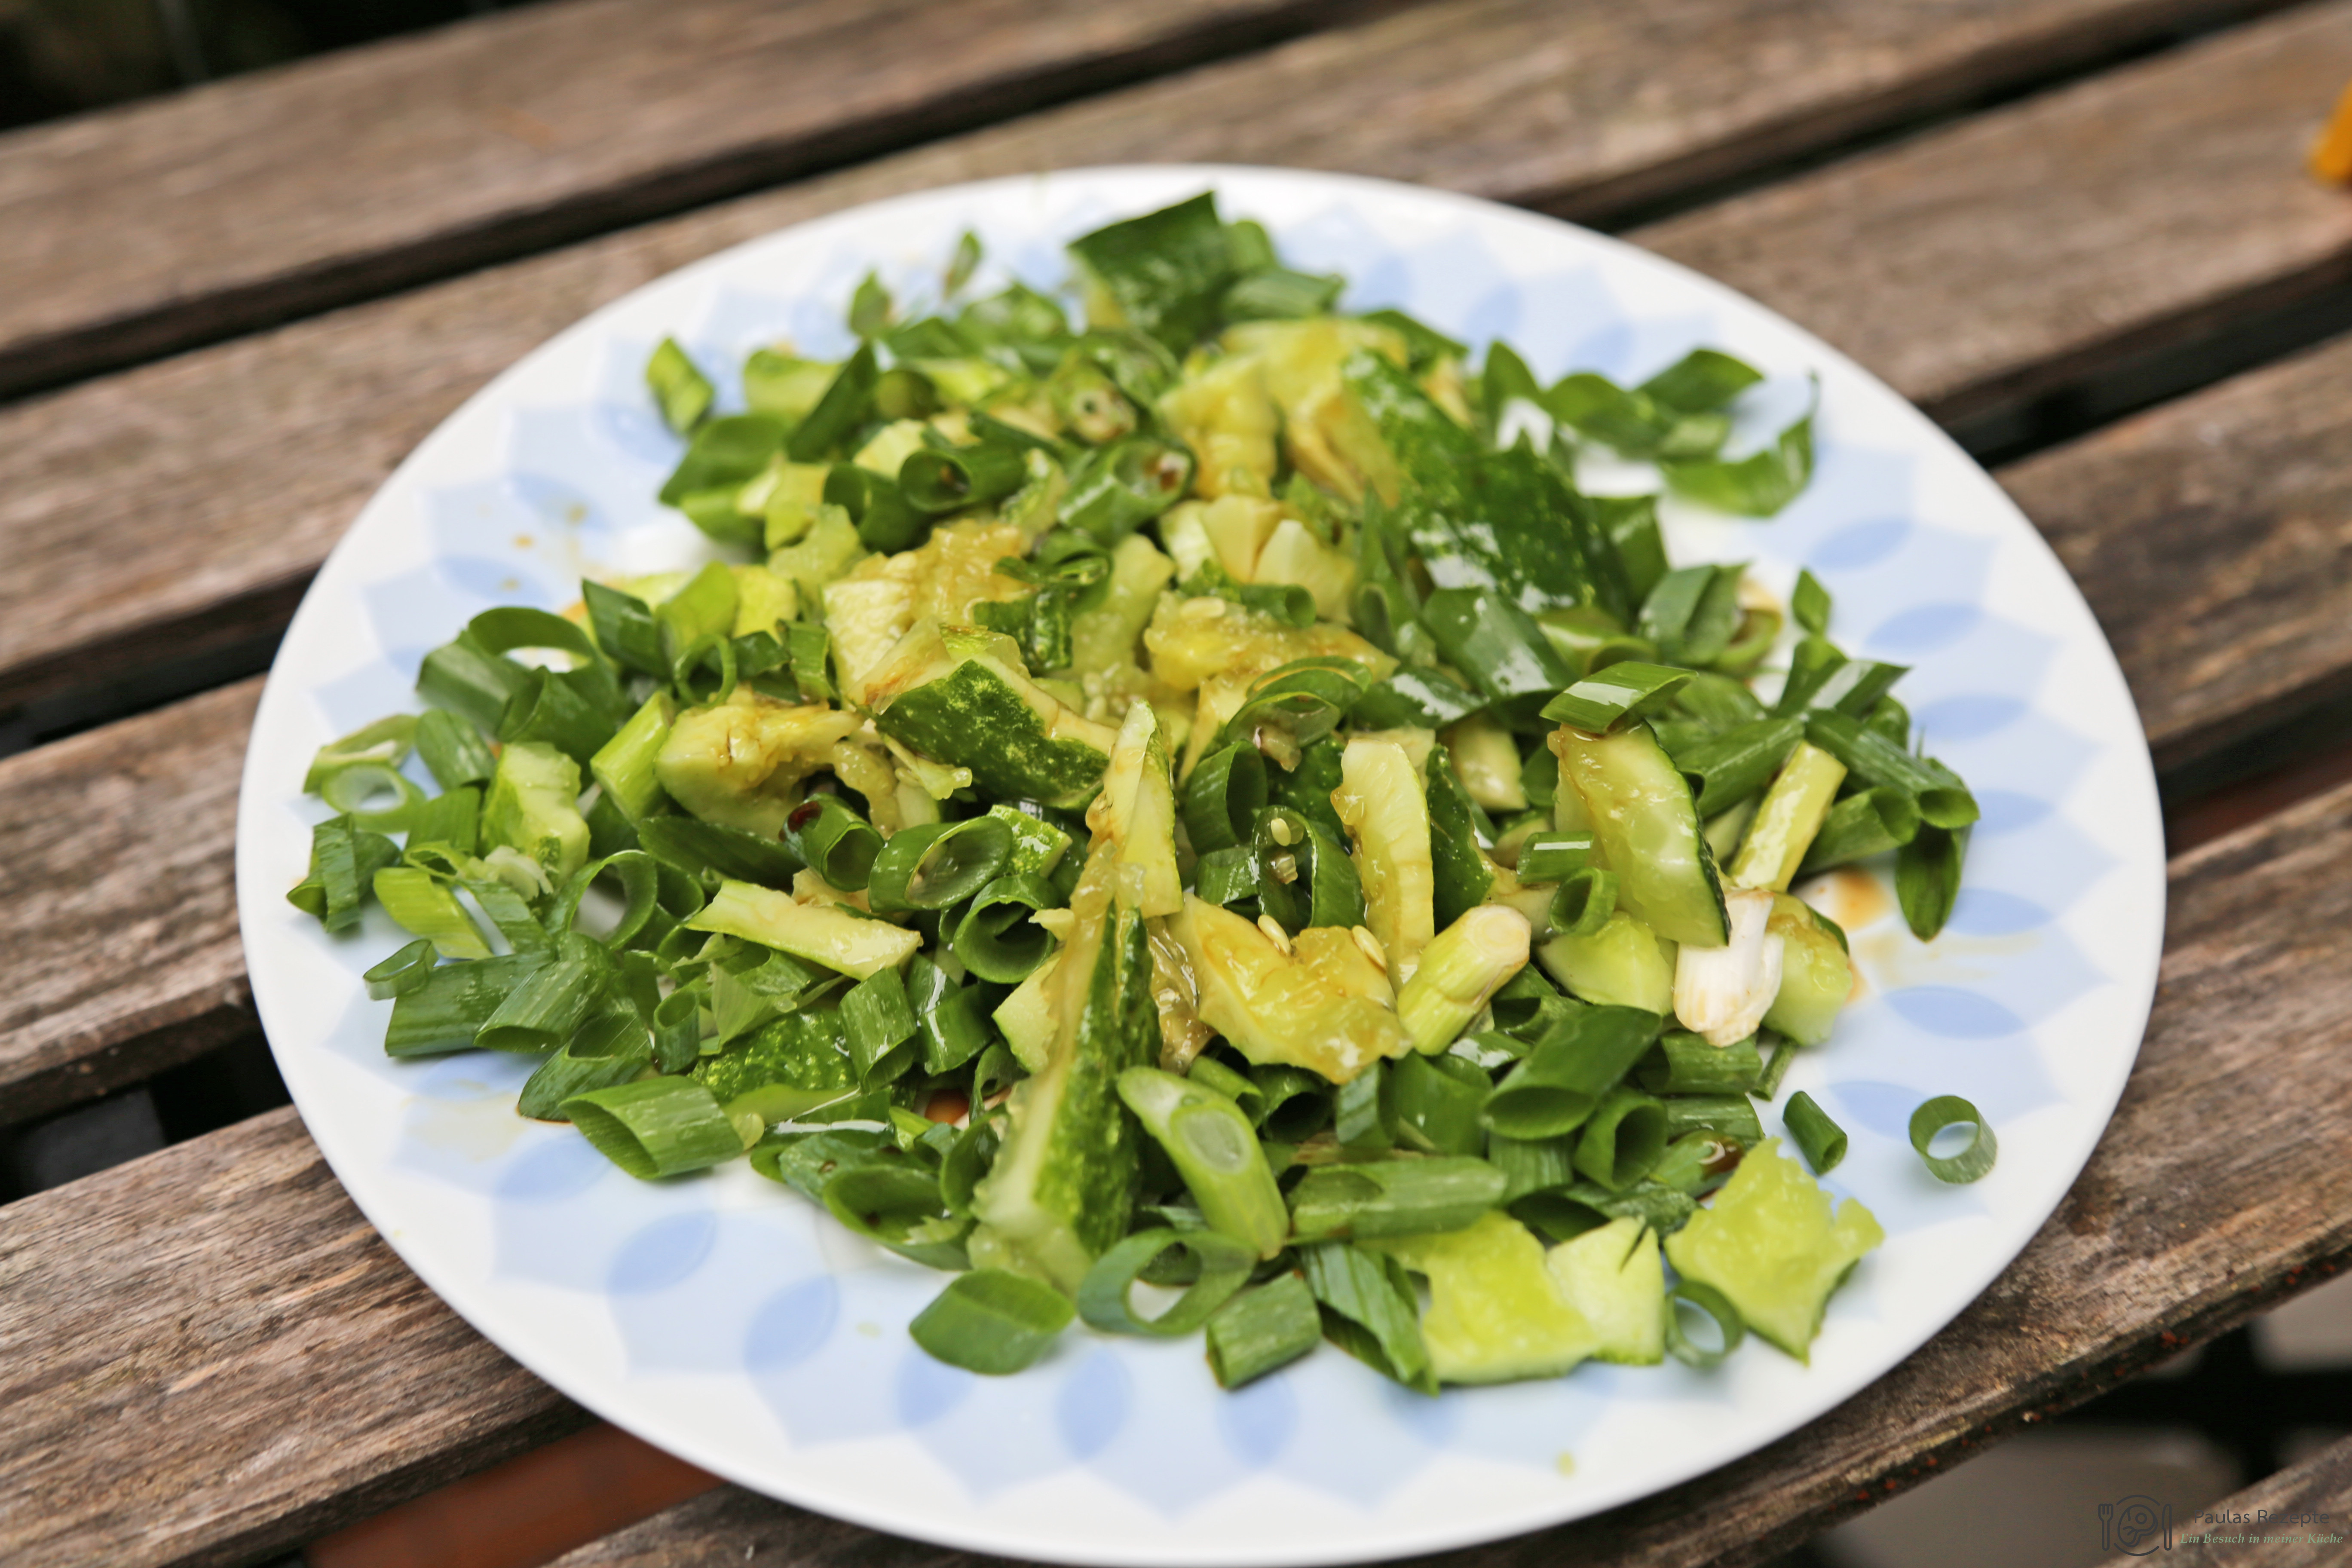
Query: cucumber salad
x,y
1182,814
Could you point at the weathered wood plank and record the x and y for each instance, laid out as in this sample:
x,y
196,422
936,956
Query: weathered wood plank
x,y
2214,538
2017,250
262,198
118,879
208,1353
217,481
2320,1486
234,1264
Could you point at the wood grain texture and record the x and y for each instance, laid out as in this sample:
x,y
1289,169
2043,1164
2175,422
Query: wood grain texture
x,y
2213,538
2320,1485
186,503
2202,1205
2016,251
208,1353
121,954
265,197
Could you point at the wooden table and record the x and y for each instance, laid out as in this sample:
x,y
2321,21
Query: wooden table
x,y
224,315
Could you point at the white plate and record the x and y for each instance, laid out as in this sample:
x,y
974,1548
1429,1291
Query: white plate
x,y
726,1320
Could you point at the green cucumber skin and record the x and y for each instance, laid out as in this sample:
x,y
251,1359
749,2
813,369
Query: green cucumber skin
x,y
969,718
1648,830
1062,1191
1090,1170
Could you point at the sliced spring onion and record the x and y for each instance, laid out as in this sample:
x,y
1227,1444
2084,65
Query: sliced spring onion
x,y
1927,879
351,788
1583,902
835,842
1499,647
1693,613
453,819
540,1014
455,1001
950,1018
621,1055
1716,1305
1683,1063
344,861
682,391
709,850
1416,697
1952,1110
656,1127
993,1322
1225,1268
1223,796
1263,1328
1215,1150
1460,970
1737,764
385,743
1622,1140
1392,1197
1875,759
1810,604
881,1025
1870,822
1115,489
1461,875
1298,1103
896,1201
677,1029
403,971
937,481
1435,1103
1730,1114
1821,1139
1554,856
1758,485
996,938
1304,877
1607,698
1359,1113
1226,876
1557,1085
1368,1311
510,912
423,905
1767,1082
453,750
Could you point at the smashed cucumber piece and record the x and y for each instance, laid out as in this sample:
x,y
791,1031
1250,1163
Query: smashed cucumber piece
x,y
1623,964
1770,1243
1496,1313
961,696
1816,975
1615,1276
1648,829
1062,1188
534,807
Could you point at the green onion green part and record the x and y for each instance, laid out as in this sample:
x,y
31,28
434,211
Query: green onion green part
x,y
1821,1139
1952,1110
